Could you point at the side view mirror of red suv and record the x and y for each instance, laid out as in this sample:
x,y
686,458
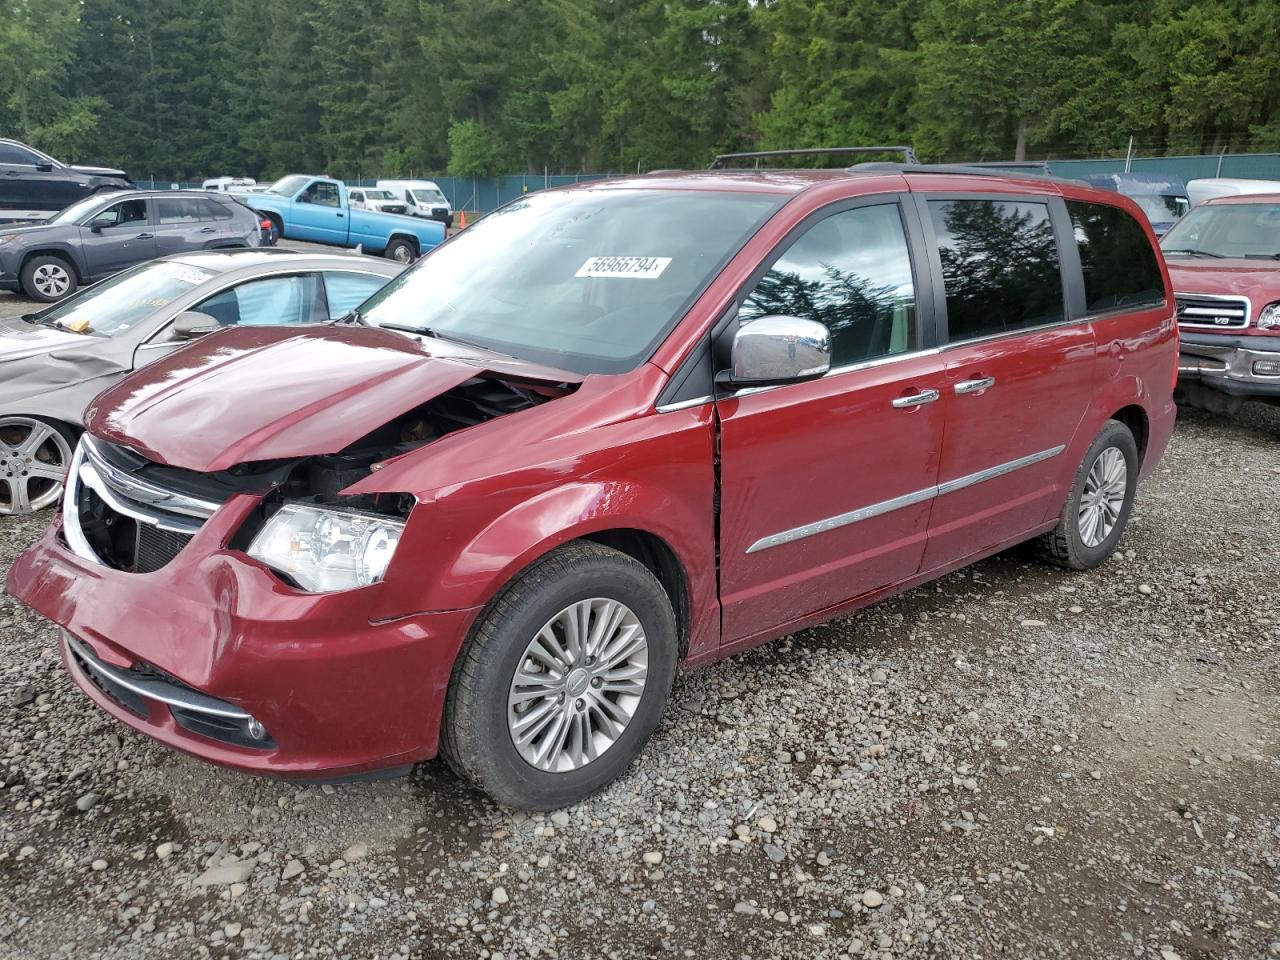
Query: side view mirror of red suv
x,y
774,350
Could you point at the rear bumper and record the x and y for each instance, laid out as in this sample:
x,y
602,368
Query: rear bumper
x,y
188,654
1236,365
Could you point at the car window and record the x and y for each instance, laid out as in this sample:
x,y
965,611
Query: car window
x,y
346,291
12,153
1120,267
269,302
429,196
1000,265
112,306
852,273
213,210
322,192
122,214
184,209
355,196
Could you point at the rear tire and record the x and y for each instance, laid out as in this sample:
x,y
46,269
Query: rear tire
x,y
48,278
1099,504
582,713
401,251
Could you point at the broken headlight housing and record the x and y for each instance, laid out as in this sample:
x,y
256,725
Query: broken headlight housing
x,y
324,549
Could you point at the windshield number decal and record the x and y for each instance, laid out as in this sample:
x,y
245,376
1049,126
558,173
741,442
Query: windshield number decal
x,y
628,268
194,277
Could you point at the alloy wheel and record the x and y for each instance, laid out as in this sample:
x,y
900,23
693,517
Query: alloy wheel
x,y
33,464
1103,496
51,280
577,685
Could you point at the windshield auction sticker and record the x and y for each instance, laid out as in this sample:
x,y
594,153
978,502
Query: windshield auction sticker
x,y
627,268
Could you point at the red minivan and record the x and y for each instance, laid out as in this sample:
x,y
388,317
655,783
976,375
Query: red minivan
x,y
605,433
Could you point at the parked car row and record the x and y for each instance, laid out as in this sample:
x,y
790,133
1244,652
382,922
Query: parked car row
x,y
491,513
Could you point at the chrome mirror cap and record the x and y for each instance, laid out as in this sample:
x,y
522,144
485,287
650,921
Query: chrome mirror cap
x,y
774,350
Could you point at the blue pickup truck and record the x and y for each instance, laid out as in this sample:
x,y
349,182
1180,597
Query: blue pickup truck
x,y
316,209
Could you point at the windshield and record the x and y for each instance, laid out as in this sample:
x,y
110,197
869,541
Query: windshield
x,y
378,194
588,281
288,186
428,196
1227,230
113,306
78,210
1162,208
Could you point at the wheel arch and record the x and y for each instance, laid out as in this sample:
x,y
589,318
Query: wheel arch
x,y
62,253
1135,418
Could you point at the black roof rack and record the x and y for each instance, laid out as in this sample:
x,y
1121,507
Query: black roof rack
x,y
908,155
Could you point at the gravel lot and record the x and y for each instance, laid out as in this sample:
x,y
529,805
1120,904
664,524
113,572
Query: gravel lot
x,y
1012,762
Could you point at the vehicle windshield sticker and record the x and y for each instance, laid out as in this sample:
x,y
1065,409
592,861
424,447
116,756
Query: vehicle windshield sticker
x,y
629,268
193,276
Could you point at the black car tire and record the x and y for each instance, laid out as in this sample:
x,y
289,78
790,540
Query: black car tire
x,y
397,247
48,278
1066,545
476,739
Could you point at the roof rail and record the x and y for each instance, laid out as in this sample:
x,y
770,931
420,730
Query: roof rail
x,y
908,155
955,168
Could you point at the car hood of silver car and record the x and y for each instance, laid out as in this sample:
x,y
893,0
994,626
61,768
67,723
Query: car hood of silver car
x,y
36,358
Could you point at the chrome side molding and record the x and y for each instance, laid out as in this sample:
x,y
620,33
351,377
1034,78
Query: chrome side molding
x,y
898,503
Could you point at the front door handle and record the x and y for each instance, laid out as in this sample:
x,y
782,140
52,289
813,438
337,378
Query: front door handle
x,y
145,236
975,386
915,399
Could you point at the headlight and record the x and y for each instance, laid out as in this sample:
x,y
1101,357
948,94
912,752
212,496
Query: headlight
x,y
323,549
1269,319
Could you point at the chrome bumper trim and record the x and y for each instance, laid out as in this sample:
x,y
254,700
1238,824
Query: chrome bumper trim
x,y
154,689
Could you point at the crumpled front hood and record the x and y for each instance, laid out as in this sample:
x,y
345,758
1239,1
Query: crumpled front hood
x,y
251,394
1259,280
100,171
20,339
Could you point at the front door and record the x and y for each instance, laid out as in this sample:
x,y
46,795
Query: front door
x,y
826,485
118,236
1018,375
318,215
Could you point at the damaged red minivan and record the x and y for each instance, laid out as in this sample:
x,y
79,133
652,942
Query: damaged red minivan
x,y
607,432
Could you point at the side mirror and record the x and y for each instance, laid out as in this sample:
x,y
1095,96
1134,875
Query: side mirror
x,y
96,226
191,324
775,350
44,166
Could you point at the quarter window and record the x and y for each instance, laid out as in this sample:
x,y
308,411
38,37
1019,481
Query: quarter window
x,y
852,273
1000,266
346,291
1120,268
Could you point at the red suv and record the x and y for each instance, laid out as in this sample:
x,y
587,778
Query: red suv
x,y
607,432
1224,259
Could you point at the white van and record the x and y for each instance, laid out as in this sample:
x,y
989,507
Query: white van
x,y
1206,189
422,198
230,184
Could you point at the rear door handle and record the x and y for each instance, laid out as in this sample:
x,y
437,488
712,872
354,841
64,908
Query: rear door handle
x,y
975,386
916,399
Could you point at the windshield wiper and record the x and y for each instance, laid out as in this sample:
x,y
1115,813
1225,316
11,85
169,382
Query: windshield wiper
x,y
353,316
1263,256
1198,253
436,335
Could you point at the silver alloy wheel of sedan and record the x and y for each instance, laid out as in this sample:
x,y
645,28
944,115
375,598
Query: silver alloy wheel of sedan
x,y
51,280
1103,496
577,685
33,464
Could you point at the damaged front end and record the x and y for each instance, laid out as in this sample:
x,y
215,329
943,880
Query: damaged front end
x,y
133,514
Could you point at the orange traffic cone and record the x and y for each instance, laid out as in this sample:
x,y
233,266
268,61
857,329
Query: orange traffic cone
x,y
462,219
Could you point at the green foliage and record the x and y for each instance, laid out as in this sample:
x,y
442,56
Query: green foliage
x,y
188,88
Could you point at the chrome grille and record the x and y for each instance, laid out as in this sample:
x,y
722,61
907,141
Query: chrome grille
x,y
115,518
1211,311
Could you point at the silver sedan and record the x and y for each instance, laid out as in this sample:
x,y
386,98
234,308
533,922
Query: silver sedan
x,y
53,363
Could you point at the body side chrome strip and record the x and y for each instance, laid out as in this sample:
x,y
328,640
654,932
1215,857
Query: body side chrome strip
x,y
898,503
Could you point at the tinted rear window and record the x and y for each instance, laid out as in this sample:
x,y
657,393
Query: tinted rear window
x,y
1120,267
999,265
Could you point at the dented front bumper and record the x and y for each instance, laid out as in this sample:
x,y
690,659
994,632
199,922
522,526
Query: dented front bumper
x,y
336,695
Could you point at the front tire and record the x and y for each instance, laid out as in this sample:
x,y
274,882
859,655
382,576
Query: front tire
x,y
563,680
34,456
1098,507
48,278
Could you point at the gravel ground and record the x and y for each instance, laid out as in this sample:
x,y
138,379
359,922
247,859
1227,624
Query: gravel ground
x,y
1012,762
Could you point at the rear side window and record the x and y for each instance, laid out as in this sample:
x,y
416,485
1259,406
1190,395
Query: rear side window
x,y
190,210
1000,266
852,273
1120,268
